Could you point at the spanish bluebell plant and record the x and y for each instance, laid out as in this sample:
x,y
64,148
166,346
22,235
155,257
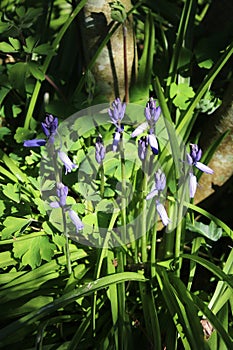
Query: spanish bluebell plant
x,y
152,114
116,114
50,129
193,160
158,188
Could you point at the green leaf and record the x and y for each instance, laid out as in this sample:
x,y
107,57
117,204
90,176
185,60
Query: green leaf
x,y
5,47
13,224
6,259
44,49
33,250
181,94
22,134
15,43
12,191
17,75
4,131
210,231
36,71
68,298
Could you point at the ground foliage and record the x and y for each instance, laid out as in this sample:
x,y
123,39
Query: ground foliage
x,y
160,291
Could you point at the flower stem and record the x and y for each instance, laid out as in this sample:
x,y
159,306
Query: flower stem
x,y
144,205
101,180
153,247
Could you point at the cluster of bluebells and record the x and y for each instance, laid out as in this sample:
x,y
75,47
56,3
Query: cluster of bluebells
x,y
49,127
152,114
116,114
193,160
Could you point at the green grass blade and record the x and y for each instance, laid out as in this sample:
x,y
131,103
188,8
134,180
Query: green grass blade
x,y
212,268
188,117
66,299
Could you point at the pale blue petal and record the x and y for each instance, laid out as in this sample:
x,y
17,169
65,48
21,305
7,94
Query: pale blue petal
x,y
34,143
189,159
204,168
116,140
76,220
162,213
192,185
66,161
140,129
54,205
153,143
152,194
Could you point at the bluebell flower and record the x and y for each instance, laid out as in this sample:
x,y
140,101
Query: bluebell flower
x,y
34,143
76,220
116,114
99,150
193,160
49,127
142,148
152,114
62,192
69,165
159,186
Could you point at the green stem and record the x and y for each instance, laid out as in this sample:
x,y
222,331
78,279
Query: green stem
x,y
53,154
153,247
102,180
144,217
123,191
47,62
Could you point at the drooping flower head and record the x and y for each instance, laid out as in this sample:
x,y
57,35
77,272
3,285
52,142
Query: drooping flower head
x,y
99,150
116,114
152,114
69,165
193,160
158,188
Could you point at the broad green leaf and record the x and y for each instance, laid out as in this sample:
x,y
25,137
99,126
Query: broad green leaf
x,y
12,191
33,250
22,134
4,131
17,76
210,231
6,260
36,70
13,224
44,49
181,94
15,43
5,47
